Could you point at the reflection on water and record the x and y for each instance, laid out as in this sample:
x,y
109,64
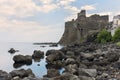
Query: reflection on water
x,y
6,59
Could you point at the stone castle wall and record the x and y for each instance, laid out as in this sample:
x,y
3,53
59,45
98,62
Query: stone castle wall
x,y
76,31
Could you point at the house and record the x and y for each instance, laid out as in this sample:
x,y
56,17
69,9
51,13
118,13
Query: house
x,y
116,24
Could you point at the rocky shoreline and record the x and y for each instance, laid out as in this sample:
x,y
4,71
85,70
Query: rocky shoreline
x,y
86,61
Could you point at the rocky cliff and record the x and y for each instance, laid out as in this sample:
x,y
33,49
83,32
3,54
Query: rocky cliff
x,y
77,31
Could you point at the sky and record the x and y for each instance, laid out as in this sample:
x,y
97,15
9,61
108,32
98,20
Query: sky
x,y
43,20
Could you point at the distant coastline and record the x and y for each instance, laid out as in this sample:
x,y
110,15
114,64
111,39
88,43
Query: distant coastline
x,y
45,43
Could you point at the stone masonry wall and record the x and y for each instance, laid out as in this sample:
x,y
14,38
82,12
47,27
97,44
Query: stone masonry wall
x,y
76,31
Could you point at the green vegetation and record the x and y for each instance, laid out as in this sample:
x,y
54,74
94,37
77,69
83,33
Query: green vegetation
x,y
104,36
118,43
116,36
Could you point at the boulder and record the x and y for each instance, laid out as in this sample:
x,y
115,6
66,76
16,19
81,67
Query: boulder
x,y
70,61
67,76
54,55
87,47
52,73
88,72
112,56
70,53
23,59
22,73
88,56
72,68
38,54
56,65
12,51
55,52
4,75
116,65
31,78
17,65
86,78
16,78
51,58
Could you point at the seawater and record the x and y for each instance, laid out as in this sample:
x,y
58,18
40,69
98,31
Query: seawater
x,y
6,59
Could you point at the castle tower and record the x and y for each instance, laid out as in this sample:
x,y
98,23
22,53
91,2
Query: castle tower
x,y
82,14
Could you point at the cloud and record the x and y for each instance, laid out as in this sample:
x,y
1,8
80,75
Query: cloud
x,y
71,8
46,1
24,8
88,7
73,12
47,8
65,2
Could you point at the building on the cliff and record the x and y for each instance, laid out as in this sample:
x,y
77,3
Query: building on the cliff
x,y
76,31
116,24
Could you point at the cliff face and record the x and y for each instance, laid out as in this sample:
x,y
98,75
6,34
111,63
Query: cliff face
x,y
77,31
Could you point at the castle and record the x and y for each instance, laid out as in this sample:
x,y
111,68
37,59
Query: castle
x,y
77,31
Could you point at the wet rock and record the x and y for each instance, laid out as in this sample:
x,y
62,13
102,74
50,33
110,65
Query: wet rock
x,y
51,58
38,64
52,73
55,52
4,75
56,65
17,65
22,73
23,59
12,51
37,59
54,55
38,54
54,59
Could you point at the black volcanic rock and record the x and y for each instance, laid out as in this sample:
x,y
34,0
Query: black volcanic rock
x,y
12,51
22,73
23,59
38,54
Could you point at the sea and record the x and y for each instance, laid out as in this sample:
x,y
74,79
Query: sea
x,y
6,59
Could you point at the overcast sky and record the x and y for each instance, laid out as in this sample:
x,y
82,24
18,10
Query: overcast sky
x,y
43,20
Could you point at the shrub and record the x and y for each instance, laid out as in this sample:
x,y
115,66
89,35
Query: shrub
x,y
118,43
116,36
104,36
